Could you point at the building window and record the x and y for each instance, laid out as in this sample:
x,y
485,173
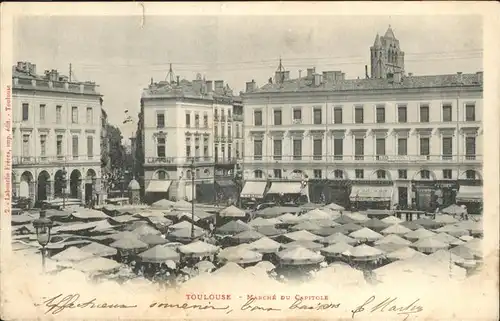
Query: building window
x,y
317,116
470,148
74,115
447,110
188,151
160,120
402,115
447,148
470,112
380,114
75,147
277,117
337,115
42,114
229,149
447,173
381,174
58,114
338,174
358,115
257,149
205,152
188,174
402,173
160,147
338,148
424,113
424,146
90,116
26,110
277,149
317,149
205,120
470,174
380,147
258,173
359,173
402,146
297,149
43,145
425,174
318,173
162,175
229,113
257,117
188,120
197,120
229,131
277,173
59,142
359,148
216,130
297,115
26,145
90,147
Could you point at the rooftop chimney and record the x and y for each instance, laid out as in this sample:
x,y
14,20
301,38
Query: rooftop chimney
x,y
366,72
197,86
479,75
219,86
397,77
310,72
178,81
250,86
287,75
410,74
279,76
459,77
32,69
317,79
209,85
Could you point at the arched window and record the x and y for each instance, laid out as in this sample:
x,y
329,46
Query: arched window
x,y
162,175
425,174
206,171
338,174
188,174
381,174
258,173
197,173
470,174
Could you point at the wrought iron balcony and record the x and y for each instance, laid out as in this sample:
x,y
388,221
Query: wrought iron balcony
x,y
179,160
58,159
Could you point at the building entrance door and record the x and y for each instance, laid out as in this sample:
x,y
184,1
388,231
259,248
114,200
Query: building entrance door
x,y
403,196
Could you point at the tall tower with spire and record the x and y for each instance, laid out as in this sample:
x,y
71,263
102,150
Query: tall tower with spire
x,y
386,56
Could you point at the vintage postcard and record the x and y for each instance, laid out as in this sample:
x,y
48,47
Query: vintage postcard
x,y
301,160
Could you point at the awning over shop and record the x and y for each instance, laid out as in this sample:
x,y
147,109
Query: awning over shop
x,y
285,188
371,193
225,183
158,186
470,194
254,189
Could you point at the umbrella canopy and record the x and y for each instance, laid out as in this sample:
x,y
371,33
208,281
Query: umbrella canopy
x,y
265,245
453,230
129,243
475,246
419,234
266,265
466,238
389,247
164,204
336,249
358,217
471,226
427,223
182,205
463,252
299,256
404,253
289,218
277,211
233,227
453,209
308,226
351,227
259,221
159,254
232,211
97,264
123,218
240,255
87,213
185,234
99,249
270,231
182,225
394,239
447,256
338,238
72,254
325,223
334,207
411,225
375,224
392,220
344,219
302,236
247,236
326,231
310,245
103,226
429,245
316,214
205,266
365,235
447,238
22,218
153,239
123,235
364,252
445,219
198,248
145,230
230,268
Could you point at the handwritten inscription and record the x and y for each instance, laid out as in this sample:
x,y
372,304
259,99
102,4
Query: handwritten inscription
x,y
61,302
298,305
390,305
251,306
186,306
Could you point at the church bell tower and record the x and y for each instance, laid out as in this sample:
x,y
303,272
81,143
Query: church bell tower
x,y
386,56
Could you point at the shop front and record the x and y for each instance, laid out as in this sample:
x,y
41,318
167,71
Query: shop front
x,y
227,190
470,194
326,191
446,193
366,195
424,196
157,189
288,192
253,192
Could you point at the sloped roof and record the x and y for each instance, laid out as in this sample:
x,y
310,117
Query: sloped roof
x,y
389,33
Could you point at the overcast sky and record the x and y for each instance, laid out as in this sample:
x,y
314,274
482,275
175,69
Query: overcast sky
x,y
121,57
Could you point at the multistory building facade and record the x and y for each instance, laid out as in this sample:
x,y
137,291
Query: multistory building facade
x,y
238,141
186,131
56,129
367,143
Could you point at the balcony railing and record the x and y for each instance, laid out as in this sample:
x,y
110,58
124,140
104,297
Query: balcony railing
x,y
179,160
237,117
386,159
60,159
223,118
225,160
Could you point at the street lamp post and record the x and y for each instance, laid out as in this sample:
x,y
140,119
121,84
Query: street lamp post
x,y
64,186
42,226
192,198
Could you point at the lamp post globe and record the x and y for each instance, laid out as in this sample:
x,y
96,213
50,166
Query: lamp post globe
x,y
43,227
